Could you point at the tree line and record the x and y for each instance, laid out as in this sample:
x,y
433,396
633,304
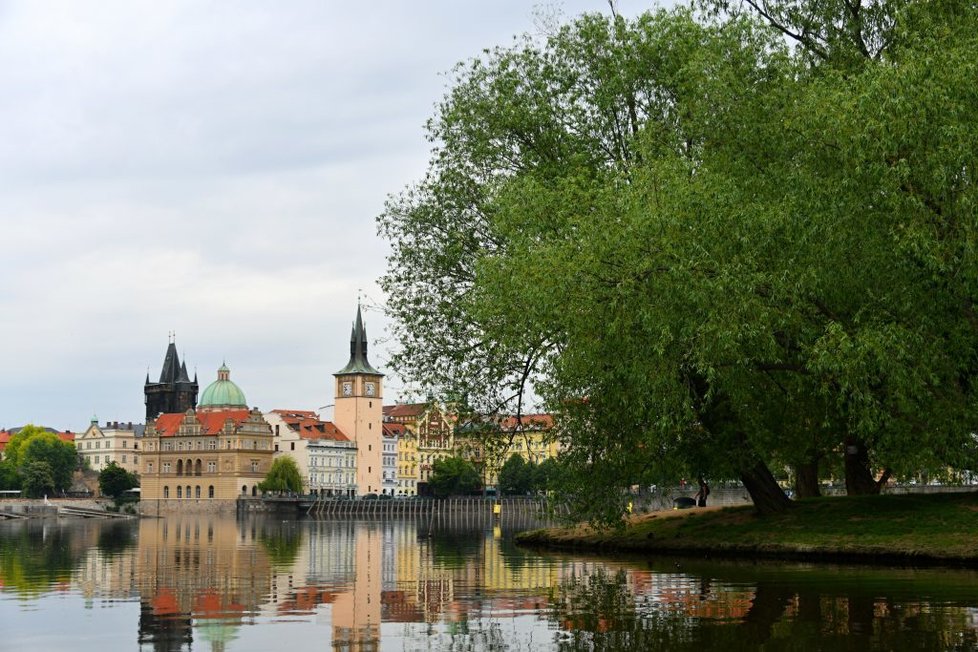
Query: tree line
x,y
724,240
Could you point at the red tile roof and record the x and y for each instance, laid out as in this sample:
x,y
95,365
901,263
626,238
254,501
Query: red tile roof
x,y
529,422
167,425
307,425
394,429
405,409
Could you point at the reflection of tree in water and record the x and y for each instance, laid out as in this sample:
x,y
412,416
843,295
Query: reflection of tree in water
x,y
36,556
600,611
281,542
455,548
116,537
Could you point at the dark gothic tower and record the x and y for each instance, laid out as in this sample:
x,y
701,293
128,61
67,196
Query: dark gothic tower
x,y
175,392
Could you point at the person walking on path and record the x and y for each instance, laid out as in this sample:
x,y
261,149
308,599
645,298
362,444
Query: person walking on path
x,y
701,495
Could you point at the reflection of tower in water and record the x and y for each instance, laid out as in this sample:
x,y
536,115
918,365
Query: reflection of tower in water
x,y
357,613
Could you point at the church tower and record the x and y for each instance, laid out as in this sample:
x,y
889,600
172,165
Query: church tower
x,y
175,392
358,411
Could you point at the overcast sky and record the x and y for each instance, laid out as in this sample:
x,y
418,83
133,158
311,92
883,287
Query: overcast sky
x,y
213,169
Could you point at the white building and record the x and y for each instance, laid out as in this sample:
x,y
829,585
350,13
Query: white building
x,y
389,473
321,451
332,466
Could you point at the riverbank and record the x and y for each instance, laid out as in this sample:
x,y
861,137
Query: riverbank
x,y
916,529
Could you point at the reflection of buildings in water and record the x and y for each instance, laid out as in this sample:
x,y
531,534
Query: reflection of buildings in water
x,y
689,595
369,573
106,576
198,574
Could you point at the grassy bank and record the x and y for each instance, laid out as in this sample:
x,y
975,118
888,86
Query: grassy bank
x,y
937,528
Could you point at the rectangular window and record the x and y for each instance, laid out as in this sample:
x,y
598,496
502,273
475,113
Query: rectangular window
x,y
254,465
149,467
167,445
212,445
96,459
166,467
123,458
212,467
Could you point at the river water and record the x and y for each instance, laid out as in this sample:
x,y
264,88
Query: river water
x,y
208,583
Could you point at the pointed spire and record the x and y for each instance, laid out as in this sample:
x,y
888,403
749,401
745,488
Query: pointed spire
x,y
358,363
171,365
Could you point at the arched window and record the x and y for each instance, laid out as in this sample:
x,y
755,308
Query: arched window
x,y
188,491
210,491
244,490
254,490
197,467
179,491
179,467
197,491
166,492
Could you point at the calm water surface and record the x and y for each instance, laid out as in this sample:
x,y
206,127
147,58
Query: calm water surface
x,y
207,583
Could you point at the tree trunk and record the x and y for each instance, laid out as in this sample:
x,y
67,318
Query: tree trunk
x,y
806,480
859,477
763,489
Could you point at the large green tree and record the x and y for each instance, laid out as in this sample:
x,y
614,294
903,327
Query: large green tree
x,y
35,444
114,481
454,476
708,252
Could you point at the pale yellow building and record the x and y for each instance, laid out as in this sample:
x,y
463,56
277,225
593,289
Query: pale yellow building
x,y
115,442
488,445
429,436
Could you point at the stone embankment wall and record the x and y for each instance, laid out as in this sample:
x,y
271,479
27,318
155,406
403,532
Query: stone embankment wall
x,y
39,508
163,507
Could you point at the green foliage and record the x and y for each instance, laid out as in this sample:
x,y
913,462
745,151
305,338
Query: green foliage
x,y
518,477
707,252
454,476
114,481
38,479
283,476
515,477
33,445
9,477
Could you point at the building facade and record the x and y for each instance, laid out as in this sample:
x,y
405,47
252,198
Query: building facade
x,y
429,437
332,467
115,442
221,451
325,456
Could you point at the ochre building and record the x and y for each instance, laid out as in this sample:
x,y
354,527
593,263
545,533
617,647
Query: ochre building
x,y
220,451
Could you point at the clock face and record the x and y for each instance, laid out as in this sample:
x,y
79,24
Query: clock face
x,y
347,389
370,389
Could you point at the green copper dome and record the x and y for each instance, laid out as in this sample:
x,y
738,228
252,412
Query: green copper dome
x,y
222,392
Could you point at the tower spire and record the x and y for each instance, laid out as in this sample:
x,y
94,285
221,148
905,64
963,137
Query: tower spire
x,y
358,363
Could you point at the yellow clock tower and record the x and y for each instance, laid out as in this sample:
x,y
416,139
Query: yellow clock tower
x,y
359,410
